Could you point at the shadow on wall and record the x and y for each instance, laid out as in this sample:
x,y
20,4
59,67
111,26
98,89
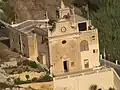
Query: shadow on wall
x,y
6,42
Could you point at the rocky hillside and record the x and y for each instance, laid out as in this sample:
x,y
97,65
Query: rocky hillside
x,y
35,9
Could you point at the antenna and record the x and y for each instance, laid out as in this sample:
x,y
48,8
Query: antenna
x,y
46,17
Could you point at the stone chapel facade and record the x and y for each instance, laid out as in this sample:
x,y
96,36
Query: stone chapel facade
x,y
73,43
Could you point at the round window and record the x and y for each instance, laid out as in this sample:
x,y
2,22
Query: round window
x,y
64,42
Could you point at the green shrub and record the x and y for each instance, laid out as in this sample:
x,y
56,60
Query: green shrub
x,y
32,64
45,78
19,63
25,62
23,82
34,79
18,81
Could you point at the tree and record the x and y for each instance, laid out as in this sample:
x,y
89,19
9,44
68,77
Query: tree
x,y
106,19
7,13
105,16
2,14
79,3
27,77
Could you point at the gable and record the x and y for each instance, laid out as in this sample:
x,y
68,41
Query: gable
x,y
62,28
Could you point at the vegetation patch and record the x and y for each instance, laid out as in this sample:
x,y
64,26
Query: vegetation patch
x,y
45,78
8,14
32,64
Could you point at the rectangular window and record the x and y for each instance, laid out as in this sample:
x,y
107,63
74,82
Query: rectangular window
x,y
72,64
86,63
42,40
82,26
93,37
95,50
66,66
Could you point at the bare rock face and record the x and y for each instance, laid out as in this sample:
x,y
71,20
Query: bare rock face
x,y
25,9
32,9
4,78
35,9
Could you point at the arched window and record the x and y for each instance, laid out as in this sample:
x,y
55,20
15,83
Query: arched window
x,y
84,46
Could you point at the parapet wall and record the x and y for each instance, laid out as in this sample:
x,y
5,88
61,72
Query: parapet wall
x,y
116,80
103,78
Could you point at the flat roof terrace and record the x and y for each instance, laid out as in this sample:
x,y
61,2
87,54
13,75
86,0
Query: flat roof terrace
x,y
83,72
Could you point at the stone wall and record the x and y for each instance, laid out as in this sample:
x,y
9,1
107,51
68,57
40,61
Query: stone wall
x,y
103,78
43,50
39,86
24,44
116,80
16,37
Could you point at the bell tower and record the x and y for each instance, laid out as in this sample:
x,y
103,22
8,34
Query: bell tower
x,y
65,21
63,10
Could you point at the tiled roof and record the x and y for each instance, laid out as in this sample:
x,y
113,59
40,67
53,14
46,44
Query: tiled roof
x,y
28,26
